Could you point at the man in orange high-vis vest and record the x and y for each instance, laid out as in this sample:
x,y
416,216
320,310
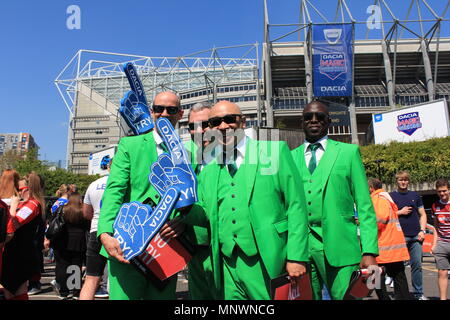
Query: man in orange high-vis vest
x,y
391,242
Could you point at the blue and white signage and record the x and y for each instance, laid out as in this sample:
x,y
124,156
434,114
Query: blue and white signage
x,y
98,161
332,60
414,123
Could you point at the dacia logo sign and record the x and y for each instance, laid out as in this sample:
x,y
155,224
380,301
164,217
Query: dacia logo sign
x,y
331,89
332,35
408,123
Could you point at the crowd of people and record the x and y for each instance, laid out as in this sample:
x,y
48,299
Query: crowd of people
x,y
23,241
262,211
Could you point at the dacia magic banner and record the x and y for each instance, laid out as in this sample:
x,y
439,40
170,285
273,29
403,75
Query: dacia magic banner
x,y
332,60
414,123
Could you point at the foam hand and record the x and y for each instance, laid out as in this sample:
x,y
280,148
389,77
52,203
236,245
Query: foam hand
x,y
174,170
137,223
133,106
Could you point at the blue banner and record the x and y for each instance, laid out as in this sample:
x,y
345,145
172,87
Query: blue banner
x,y
332,60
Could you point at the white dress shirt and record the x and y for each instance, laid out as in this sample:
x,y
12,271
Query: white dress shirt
x,y
240,155
159,142
319,151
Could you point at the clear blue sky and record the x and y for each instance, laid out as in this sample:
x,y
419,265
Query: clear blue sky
x,y
36,45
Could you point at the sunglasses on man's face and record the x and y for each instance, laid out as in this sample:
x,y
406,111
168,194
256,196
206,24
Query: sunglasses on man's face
x,y
320,116
170,110
228,119
194,125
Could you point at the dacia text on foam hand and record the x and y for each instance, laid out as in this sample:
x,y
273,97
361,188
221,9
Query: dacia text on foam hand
x,y
173,170
137,223
133,106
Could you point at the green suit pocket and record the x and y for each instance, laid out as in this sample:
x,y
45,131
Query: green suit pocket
x,y
281,226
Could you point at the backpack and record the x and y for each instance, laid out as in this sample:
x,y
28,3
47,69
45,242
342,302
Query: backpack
x,y
56,226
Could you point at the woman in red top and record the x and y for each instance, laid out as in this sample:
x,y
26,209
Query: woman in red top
x,y
20,260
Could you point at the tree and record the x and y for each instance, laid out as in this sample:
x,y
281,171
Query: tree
x,y
30,162
8,160
52,178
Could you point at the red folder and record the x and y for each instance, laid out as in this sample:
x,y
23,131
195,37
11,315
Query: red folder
x,y
358,287
282,289
163,259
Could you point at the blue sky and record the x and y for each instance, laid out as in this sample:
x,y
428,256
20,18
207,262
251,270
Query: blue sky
x,y
36,45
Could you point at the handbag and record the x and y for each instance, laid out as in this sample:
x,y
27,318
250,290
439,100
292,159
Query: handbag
x,y
57,226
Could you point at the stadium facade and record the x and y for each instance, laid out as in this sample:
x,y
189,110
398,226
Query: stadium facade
x,y
407,62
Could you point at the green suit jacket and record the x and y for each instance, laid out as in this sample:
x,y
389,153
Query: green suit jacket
x,y
196,234
276,203
128,180
337,184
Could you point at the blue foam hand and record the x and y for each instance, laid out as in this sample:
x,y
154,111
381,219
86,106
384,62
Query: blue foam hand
x,y
174,170
137,223
133,106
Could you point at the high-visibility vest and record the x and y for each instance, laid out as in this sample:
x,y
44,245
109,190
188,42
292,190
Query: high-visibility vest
x,y
391,241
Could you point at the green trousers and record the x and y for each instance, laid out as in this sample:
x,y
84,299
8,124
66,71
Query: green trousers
x,y
126,283
336,279
245,278
201,279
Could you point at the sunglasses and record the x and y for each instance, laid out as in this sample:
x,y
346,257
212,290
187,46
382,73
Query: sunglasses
x,y
320,116
170,110
228,119
23,188
195,125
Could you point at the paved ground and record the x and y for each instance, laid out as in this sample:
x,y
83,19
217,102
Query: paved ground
x,y
429,277
47,292
430,284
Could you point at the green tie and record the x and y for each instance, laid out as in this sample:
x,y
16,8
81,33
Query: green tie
x,y
197,169
232,169
313,162
164,148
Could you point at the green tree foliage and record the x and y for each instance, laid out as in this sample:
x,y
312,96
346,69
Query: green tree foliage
x,y
426,160
8,159
30,163
53,178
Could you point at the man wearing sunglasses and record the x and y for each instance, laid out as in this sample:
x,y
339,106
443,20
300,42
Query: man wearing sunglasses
x,y
201,282
334,180
166,104
198,125
128,181
256,215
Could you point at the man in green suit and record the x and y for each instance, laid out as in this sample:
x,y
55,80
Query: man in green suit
x,y
128,181
201,281
334,182
255,210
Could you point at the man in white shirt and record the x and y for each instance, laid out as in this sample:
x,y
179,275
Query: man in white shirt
x,y
95,262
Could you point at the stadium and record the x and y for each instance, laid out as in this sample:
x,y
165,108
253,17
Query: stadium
x,y
396,62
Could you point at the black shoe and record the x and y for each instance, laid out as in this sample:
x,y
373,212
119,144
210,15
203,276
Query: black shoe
x,y
75,294
34,288
65,296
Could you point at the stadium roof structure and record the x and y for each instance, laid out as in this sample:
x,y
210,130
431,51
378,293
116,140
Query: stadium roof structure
x,y
421,19
414,44
102,72
394,53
